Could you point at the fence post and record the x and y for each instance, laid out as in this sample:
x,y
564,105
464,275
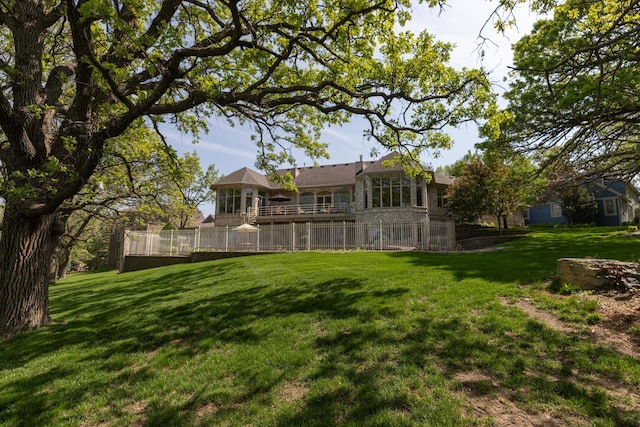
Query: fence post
x,y
258,239
451,235
147,240
427,235
126,248
293,237
308,243
226,238
196,239
344,235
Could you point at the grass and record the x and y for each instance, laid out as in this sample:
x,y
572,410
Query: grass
x,y
317,339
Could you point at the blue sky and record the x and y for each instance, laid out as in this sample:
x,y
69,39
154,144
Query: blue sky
x,y
230,148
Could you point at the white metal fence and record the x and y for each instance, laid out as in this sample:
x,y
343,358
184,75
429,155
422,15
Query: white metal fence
x,y
427,236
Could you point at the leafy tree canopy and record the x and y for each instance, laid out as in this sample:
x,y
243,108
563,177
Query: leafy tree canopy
x,y
493,184
577,88
458,167
75,74
139,180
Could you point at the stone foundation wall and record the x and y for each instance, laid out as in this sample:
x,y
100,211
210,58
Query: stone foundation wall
x,y
392,214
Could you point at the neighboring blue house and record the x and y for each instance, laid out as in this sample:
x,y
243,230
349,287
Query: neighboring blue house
x,y
617,202
547,213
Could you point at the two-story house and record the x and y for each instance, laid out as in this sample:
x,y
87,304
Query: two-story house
x,y
358,191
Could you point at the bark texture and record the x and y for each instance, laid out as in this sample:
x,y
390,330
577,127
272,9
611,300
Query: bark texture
x,y
26,249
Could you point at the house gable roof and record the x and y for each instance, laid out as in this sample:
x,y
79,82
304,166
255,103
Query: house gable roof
x,y
609,188
245,176
336,175
327,176
442,179
378,166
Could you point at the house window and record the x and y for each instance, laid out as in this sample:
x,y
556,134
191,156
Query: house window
x,y
342,197
229,200
391,192
556,210
441,196
610,207
323,199
306,199
248,199
419,188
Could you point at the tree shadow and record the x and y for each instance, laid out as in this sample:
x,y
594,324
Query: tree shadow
x,y
153,313
531,258
164,310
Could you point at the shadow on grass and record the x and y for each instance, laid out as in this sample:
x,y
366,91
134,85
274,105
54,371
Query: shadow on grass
x,y
373,361
532,258
445,348
187,313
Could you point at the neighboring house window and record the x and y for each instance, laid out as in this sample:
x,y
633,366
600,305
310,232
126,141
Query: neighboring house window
x,y
229,200
391,192
441,196
556,210
419,187
609,207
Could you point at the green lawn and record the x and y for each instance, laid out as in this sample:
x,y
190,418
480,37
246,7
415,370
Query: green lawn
x,y
318,339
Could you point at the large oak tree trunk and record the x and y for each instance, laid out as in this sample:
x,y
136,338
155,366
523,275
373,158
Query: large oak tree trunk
x,y
26,250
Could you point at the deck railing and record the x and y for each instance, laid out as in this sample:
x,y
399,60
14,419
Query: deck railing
x,y
308,209
302,236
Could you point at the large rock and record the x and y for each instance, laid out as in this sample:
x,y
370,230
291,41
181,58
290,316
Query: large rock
x,y
588,273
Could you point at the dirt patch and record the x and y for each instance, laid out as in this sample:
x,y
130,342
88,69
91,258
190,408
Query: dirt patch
x,y
621,313
619,329
206,410
488,402
292,391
